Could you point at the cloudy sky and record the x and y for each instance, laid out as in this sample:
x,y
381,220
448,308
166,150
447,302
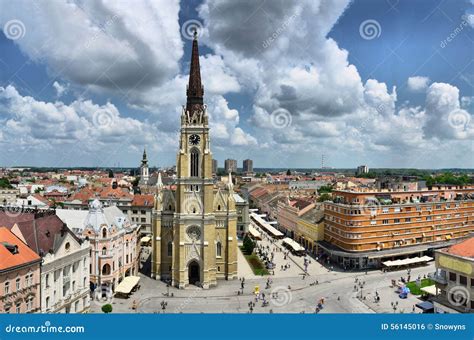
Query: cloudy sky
x,y
382,83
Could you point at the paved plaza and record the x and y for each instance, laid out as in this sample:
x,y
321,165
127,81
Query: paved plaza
x,y
289,292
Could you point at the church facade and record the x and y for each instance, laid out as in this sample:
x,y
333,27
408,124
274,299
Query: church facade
x,y
195,223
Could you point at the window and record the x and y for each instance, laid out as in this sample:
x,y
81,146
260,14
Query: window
x,y
385,222
463,280
219,249
47,302
67,246
408,219
18,307
452,277
29,304
143,212
385,210
135,211
194,163
106,269
7,287
170,249
397,220
18,284
428,218
104,233
104,251
143,219
373,222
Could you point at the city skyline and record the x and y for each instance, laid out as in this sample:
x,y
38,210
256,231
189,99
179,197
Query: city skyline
x,y
285,96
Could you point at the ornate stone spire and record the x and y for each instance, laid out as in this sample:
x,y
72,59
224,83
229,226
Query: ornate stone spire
x,y
230,185
195,90
159,182
144,159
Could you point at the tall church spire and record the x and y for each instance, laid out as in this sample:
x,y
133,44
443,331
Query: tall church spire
x,y
195,90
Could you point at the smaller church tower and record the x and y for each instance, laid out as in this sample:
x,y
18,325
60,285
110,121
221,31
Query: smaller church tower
x,y
144,173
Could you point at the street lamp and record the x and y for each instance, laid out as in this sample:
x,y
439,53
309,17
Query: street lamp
x,y
164,304
251,305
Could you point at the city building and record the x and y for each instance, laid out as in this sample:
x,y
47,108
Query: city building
x,y
65,259
141,212
247,166
243,218
310,229
9,196
362,169
195,229
19,275
230,165
214,166
114,246
362,228
454,278
290,211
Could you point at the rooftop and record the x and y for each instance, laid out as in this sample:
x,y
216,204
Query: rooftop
x,y
22,255
464,249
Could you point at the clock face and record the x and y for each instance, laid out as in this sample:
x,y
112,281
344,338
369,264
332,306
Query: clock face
x,y
194,139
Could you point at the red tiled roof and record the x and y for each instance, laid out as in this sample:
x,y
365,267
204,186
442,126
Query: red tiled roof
x,y
143,200
464,249
39,230
7,259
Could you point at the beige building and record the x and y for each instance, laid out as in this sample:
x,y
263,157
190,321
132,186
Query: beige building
x,y
454,278
194,234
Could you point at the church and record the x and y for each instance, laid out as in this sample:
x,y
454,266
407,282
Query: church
x,y
194,230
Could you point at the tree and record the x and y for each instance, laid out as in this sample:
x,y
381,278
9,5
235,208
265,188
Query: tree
x,y
249,245
288,172
111,173
324,197
107,308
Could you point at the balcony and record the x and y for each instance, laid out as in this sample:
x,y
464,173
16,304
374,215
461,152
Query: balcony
x,y
439,277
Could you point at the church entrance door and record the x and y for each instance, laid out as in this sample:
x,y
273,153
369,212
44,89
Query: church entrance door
x,y
193,272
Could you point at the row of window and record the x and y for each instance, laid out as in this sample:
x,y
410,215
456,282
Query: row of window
x,y
29,281
29,306
386,210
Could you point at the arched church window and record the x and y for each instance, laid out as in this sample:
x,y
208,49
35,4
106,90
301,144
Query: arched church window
x,y
170,248
219,207
104,233
219,249
194,163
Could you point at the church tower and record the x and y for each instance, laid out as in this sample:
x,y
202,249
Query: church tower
x,y
144,172
195,229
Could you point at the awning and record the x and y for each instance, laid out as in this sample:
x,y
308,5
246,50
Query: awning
x,y
293,244
127,285
425,305
145,239
405,262
254,233
429,290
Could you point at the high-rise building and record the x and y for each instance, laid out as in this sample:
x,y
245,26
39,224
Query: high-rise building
x,y
248,166
230,165
365,228
362,169
214,166
194,234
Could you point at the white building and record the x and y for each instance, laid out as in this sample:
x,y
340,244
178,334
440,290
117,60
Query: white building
x,y
113,239
65,276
